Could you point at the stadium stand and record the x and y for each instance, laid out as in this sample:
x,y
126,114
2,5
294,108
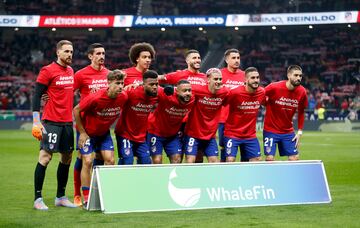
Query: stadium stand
x,y
329,55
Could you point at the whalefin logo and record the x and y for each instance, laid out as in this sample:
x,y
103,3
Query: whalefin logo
x,y
185,197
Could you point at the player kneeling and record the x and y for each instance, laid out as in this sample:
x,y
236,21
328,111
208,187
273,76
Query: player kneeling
x,y
166,121
94,116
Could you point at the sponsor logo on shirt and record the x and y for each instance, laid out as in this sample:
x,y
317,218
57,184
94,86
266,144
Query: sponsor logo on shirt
x,y
287,102
177,111
65,80
249,105
98,84
213,101
196,80
143,107
233,84
109,112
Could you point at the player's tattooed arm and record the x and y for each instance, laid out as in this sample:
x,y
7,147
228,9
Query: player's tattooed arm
x,y
83,135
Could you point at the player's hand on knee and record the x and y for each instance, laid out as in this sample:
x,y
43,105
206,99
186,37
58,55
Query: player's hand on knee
x,y
297,140
82,140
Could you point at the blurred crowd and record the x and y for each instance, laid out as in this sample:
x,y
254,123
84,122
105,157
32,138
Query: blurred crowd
x,y
176,7
330,57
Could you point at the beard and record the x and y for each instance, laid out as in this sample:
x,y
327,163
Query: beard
x,y
184,99
295,82
151,93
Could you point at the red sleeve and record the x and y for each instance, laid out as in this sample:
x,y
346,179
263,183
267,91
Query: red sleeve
x,y
44,77
122,99
87,103
226,97
170,78
301,112
77,81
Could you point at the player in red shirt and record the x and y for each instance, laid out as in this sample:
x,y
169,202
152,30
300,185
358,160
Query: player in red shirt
x,y
240,127
131,128
55,128
94,116
88,80
140,55
283,99
200,130
232,77
165,123
191,74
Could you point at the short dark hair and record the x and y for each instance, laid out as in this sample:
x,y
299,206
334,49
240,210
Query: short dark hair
x,y
250,69
188,52
137,48
231,50
92,47
212,71
150,74
182,81
62,43
116,75
293,67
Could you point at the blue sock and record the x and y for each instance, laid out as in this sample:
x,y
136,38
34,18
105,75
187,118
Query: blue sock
x,y
98,162
78,164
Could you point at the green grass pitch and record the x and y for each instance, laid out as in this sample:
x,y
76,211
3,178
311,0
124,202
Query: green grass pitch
x,y
340,153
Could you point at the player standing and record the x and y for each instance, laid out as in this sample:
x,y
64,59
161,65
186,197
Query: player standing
x,y
240,127
131,128
94,116
166,121
191,74
88,80
56,79
140,55
283,99
232,77
200,130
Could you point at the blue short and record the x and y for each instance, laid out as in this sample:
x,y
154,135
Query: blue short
x,y
127,149
192,145
284,141
250,148
97,143
172,145
221,134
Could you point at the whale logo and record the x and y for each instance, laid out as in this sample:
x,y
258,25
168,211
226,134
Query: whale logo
x,y
185,197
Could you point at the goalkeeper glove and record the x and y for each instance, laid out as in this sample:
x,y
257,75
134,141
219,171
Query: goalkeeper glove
x,y
37,129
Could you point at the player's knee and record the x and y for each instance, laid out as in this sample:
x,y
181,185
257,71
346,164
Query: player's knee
x,y
109,161
190,159
44,158
213,159
156,160
293,158
230,159
175,159
66,158
270,158
255,159
87,162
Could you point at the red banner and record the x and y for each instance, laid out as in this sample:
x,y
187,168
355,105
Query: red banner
x,y
76,21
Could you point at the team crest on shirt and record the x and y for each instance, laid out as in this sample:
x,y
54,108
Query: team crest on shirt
x,y
153,149
268,149
127,151
228,150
